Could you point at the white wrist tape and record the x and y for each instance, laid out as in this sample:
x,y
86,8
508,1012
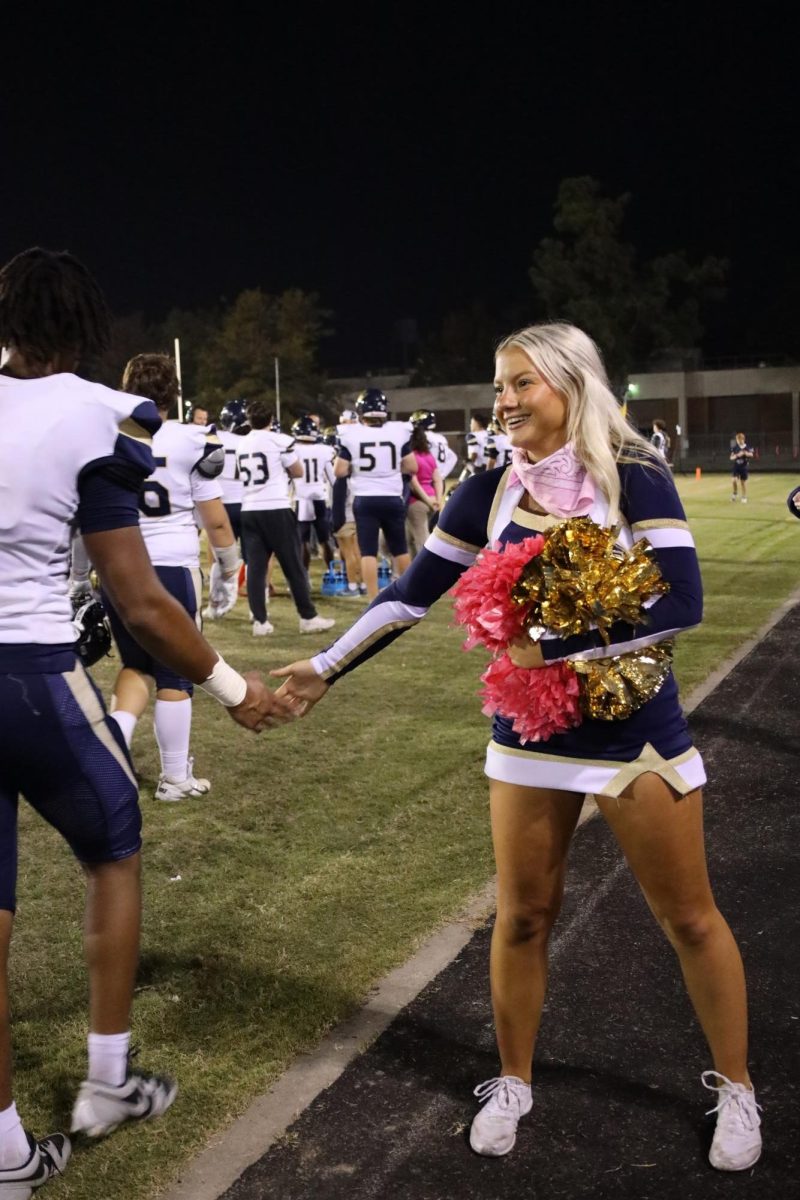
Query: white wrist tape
x,y
225,684
228,558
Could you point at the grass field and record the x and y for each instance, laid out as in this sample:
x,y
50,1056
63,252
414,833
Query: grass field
x,y
325,853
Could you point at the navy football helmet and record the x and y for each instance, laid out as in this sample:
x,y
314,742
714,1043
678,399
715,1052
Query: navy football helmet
x,y
94,632
372,403
330,436
233,416
305,429
423,418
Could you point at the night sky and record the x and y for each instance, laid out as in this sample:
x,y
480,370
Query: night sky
x,y
400,160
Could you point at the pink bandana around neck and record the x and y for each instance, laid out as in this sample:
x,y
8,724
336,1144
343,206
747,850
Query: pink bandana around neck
x,y
559,484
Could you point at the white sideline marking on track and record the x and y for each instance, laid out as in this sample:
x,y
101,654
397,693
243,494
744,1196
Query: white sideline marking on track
x,y
230,1153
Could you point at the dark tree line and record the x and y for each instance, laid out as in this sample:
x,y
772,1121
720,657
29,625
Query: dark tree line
x,y
585,272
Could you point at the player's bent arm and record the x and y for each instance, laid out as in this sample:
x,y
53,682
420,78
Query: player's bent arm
x,y
163,627
217,525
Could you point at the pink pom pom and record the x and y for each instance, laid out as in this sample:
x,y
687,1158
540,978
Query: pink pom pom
x,y
483,595
539,702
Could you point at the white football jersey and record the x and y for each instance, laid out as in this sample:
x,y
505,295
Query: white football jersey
x,y
263,459
446,458
500,443
53,429
168,496
374,453
229,480
316,460
476,443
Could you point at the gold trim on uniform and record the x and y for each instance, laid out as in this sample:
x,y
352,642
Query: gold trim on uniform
x,y
86,698
213,440
536,521
623,773
365,645
457,542
661,523
498,500
134,430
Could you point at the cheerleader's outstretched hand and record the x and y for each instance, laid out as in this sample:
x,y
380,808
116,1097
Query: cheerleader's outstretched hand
x,y
301,684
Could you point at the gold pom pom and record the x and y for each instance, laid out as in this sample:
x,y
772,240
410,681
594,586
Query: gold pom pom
x,y
614,688
584,580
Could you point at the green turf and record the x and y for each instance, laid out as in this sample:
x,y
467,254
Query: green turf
x,y
324,854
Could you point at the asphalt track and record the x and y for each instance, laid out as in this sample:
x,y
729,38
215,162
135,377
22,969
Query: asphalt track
x,y
618,1105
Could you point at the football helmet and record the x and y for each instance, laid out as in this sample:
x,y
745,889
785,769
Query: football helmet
x,y
372,403
423,418
93,632
305,429
233,416
330,435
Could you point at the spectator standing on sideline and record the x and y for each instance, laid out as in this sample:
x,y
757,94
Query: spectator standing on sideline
x,y
60,749
446,458
659,438
741,453
266,461
196,415
574,454
427,491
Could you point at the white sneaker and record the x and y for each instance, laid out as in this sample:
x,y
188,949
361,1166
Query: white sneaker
x,y
315,624
169,790
744,499
737,1138
48,1158
262,628
494,1129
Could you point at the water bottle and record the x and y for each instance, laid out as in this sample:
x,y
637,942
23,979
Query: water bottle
x,y
384,574
337,566
329,582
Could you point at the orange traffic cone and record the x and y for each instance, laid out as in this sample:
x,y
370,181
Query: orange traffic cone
x,y
698,473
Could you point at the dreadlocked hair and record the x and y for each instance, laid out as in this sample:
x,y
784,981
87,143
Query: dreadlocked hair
x,y
49,304
154,377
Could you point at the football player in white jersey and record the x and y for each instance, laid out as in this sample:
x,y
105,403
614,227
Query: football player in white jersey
x,y
498,447
232,425
189,459
476,443
446,458
76,453
376,454
313,488
266,461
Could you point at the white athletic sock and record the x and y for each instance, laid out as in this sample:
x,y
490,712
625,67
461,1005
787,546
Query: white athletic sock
x,y
172,722
127,723
108,1057
14,1148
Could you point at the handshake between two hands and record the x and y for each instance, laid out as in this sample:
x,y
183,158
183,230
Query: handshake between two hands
x,y
264,709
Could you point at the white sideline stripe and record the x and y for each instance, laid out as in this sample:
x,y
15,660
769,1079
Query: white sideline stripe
x,y
231,1152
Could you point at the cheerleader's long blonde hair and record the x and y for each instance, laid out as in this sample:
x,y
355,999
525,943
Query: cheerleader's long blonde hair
x,y
571,364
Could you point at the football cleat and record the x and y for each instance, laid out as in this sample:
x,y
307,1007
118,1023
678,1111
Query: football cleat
x,y
48,1158
100,1107
169,790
